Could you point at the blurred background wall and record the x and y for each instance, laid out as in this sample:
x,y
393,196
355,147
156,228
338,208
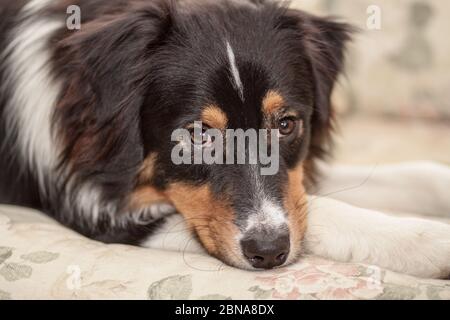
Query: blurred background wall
x,y
394,100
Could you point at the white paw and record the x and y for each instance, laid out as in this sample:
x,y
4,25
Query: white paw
x,y
416,247
422,248
345,233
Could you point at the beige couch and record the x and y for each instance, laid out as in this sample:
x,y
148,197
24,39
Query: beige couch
x,y
401,68
40,259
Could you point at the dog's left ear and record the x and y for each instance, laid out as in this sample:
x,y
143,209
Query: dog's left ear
x,y
325,41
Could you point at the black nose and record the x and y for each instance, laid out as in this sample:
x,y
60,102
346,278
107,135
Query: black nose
x,y
265,252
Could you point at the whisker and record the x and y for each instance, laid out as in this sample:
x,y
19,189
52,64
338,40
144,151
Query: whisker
x,y
348,188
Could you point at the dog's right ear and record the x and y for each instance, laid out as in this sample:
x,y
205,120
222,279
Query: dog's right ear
x,y
324,41
105,66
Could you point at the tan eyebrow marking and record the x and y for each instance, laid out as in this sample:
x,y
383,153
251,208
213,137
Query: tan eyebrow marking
x,y
272,103
214,117
145,195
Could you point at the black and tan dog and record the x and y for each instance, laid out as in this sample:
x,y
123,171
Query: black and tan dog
x,y
87,117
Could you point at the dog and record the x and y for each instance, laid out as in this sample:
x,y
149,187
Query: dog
x,y
87,118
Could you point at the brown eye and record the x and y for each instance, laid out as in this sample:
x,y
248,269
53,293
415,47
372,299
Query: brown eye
x,y
203,139
287,126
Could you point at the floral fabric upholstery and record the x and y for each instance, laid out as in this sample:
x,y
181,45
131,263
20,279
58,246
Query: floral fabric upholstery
x,y
40,259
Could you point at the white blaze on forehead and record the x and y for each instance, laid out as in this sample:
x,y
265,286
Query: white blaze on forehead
x,y
237,83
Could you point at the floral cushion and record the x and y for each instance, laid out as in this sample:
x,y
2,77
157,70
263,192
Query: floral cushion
x,y
39,259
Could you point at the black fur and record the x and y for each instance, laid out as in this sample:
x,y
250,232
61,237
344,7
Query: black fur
x,y
137,70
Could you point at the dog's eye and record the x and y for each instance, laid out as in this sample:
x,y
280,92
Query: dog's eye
x,y
287,126
201,139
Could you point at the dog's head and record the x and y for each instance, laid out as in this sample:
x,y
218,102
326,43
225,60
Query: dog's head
x,y
149,70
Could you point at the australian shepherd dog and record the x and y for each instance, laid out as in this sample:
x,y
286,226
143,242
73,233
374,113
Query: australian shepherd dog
x,y
88,115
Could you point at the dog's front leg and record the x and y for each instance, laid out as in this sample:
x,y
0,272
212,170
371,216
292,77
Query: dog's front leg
x,y
346,233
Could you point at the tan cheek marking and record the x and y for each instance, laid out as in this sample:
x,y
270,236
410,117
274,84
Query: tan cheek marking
x,y
214,117
296,204
211,218
147,169
272,103
145,196
301,128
